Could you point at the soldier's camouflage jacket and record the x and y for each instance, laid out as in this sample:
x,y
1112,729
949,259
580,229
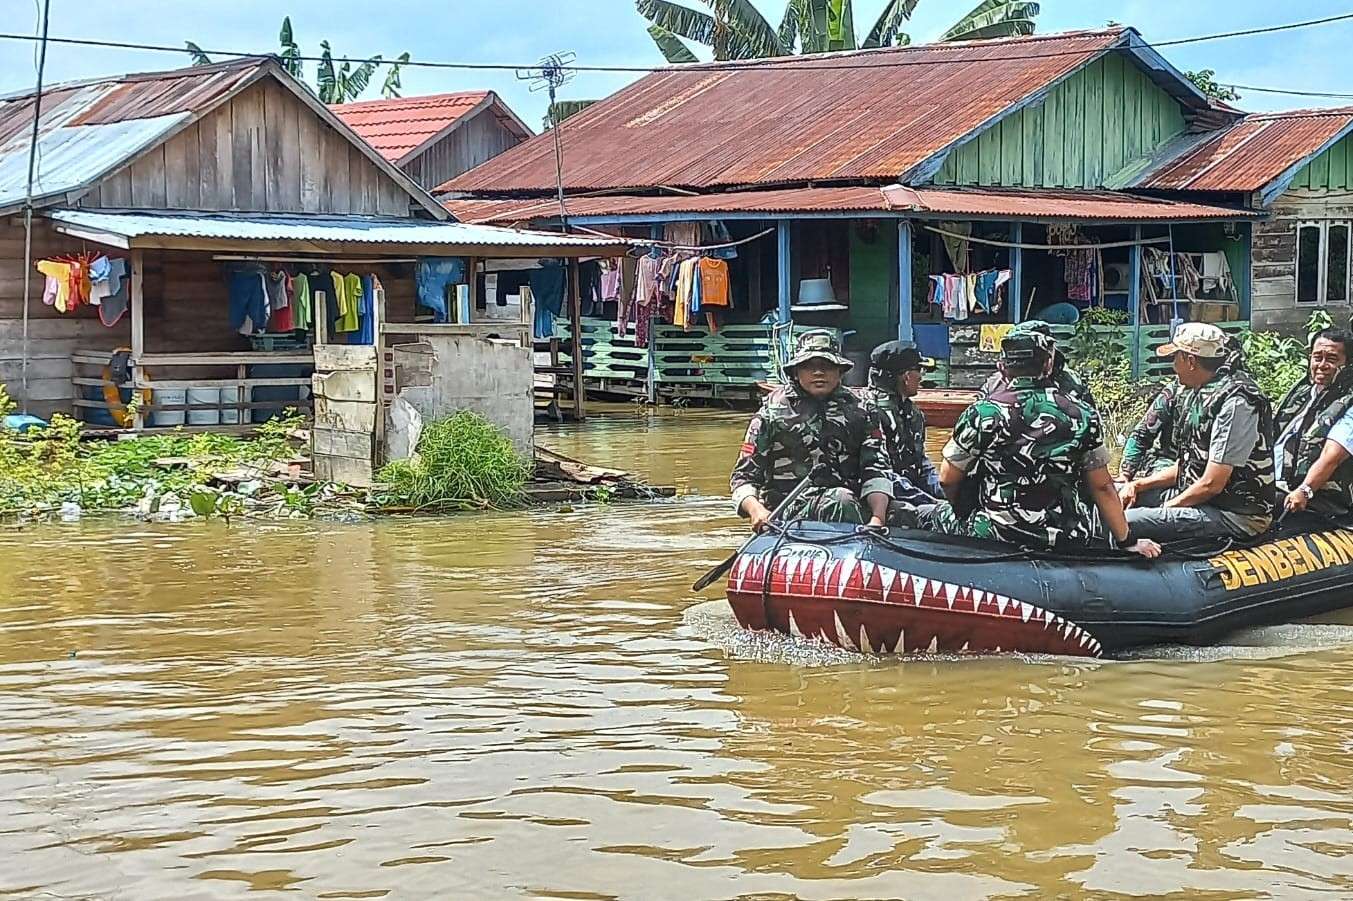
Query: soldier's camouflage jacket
x,y
1031,446
793,431
915,480
1303,447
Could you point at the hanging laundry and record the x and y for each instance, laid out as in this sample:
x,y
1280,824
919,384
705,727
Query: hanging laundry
x,y
431,276
302,317
279,302
610,281
248,298
57,290
114,305
714,283
547,286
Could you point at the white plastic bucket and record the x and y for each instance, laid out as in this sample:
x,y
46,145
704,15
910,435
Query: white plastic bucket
x,y
230,415
210,416
171,396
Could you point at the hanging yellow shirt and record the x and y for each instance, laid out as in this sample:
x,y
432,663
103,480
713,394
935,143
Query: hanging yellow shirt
x,y
61,273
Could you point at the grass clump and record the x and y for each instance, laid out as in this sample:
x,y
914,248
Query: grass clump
x,y
461,463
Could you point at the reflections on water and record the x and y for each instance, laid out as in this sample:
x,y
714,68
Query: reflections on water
x,y
514,706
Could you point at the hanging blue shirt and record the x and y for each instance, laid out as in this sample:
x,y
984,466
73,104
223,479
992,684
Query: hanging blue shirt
x,y
432,275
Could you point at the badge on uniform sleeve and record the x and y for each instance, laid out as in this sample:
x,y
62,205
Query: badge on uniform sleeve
x,y
749,443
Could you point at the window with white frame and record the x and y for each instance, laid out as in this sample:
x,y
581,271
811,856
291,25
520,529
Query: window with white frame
x,y
1323,261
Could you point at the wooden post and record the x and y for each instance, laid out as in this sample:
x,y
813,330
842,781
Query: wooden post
x,y
1135,298
1016,272
655,232
138,306
575,318
905,332
782,269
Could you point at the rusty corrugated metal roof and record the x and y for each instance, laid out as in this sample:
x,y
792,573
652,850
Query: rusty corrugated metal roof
x,y
1055,205
864,115
1033,205
1251,154
90,128
402,125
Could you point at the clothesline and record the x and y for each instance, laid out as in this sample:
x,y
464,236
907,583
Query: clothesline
x,y
1022,246
669,246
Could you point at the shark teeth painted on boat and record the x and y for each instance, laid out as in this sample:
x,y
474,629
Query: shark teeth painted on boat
x,y
833,579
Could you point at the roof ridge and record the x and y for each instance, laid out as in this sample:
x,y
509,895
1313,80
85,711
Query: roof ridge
x,y
127,77
411,100
1308,113
805,58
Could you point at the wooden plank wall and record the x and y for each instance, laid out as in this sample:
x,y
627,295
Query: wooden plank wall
x,y
473,143
52,335
264,151
1273,303
1085,130
1332,170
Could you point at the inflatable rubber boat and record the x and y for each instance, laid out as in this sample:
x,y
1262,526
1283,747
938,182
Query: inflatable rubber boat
x,y
909,592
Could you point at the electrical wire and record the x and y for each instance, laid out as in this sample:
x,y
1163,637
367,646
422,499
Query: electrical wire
x,y
820,62
28,198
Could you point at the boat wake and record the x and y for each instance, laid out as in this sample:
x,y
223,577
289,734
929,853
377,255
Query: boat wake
x,y
713,621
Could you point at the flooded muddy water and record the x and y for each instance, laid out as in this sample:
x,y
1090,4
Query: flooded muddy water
x,y
526,705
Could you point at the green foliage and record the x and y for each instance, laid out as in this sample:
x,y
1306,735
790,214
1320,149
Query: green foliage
x,y
335,82
42,469
1099,353
462,463
735,29
1205,81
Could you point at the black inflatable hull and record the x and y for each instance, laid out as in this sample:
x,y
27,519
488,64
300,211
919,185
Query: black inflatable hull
x,y
915,592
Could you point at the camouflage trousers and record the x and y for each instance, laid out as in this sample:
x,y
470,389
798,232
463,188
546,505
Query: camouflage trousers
x,y
826,505
943,519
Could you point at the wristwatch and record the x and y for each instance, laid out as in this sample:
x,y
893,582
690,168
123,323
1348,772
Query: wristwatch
x,y
1306,490
1128,541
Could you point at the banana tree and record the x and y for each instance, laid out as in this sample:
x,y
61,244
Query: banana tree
x,y
335,81
734,29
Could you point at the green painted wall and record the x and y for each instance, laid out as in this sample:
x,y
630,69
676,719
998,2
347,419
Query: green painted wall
x,y
1331,171
873,270
1091,125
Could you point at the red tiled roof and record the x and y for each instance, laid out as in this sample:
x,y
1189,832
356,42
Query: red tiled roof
x,y
863,115
1251,154
1043,204
401,125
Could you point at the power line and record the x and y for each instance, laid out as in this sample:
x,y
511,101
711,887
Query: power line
x,y
820,62
1295,93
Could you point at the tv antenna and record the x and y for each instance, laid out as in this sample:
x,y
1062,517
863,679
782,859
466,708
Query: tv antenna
x,y
552,74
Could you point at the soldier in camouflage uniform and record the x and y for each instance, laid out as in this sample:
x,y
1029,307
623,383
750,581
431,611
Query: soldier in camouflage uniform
x,y
1314,453
894,379
1150,447
1063,377
1222,484
813,419
1034,450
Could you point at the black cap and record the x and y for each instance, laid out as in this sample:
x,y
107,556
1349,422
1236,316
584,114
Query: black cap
x,y
897,357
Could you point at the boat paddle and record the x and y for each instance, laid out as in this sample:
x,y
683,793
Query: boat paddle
x,y
709,578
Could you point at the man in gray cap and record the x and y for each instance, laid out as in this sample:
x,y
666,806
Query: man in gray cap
x,y
1222,482
810,420
894,379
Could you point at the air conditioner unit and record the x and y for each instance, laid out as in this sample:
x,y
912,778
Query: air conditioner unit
x,y
1116,276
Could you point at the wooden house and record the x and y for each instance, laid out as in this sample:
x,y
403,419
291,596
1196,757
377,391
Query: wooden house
x,y
435,137
188,177
871,176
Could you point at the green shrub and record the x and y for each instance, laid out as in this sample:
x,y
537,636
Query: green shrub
x,y
462,463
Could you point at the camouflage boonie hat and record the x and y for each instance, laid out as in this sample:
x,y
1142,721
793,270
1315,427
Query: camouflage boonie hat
x,y
819,343
1025,345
